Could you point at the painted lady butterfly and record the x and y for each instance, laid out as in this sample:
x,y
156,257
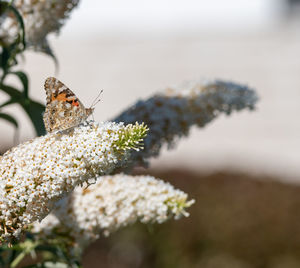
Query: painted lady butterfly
x,y
63,108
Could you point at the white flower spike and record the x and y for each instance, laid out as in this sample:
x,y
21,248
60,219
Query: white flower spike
x,y
40,18
171,114
117,201
37,173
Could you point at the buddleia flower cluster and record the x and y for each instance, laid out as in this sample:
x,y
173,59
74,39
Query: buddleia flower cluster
x,y
171,113
113,202
40,17
37,173
120,200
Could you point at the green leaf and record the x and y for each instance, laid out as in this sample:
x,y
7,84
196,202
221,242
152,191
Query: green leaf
x,y
10,119
24,80
21,22
3,6
5,58
33,109
10,51
11,101
12,92
35,112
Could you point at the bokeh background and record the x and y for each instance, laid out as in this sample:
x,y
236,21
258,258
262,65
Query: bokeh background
x,y
243,170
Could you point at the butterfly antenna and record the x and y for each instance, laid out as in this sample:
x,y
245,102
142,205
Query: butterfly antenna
x,y
96,100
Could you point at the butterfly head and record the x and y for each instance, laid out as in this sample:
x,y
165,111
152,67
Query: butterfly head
x,y
89,111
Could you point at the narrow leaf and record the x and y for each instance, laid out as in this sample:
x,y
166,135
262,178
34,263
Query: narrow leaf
x,y
33,109
24,80
12,92
35,112
21,22
11,101
10,119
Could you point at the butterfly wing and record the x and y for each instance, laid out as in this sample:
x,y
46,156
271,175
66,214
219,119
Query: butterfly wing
x,y
63,108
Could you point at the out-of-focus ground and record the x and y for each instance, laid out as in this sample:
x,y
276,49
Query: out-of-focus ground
x,y
238,221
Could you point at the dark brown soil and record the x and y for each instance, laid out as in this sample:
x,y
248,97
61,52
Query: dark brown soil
x,y
237,221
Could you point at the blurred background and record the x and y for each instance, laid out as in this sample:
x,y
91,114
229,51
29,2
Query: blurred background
x,y
132,49
243,170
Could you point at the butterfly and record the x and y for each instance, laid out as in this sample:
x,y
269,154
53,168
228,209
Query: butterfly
x,y
63,109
